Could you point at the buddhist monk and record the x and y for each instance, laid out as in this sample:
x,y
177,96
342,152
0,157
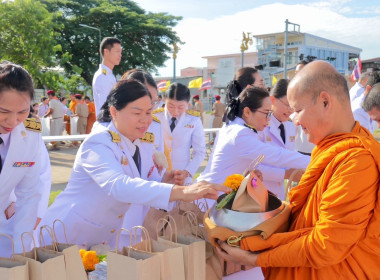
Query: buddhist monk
x,y
335,218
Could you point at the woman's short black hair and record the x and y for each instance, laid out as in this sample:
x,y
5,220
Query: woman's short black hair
x,y
251,97
179,92
280,88
15,77
123,93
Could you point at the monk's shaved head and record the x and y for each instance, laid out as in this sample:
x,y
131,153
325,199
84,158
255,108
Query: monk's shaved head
x,y
320,76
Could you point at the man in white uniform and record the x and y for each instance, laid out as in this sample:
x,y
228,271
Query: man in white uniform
x,y
182,130
358,89
360,114
56,113
104,79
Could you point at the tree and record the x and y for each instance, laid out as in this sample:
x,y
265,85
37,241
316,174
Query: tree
x,y
27,38
146,37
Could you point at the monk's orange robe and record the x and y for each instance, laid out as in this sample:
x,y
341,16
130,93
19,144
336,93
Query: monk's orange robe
x,y
335,218
73,106
91,117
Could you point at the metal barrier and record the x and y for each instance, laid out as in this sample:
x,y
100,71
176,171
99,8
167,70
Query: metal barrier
x,y
83,136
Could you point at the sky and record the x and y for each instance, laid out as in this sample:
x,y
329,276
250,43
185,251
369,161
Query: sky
x,y
214,27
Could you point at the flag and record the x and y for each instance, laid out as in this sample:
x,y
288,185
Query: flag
x,y
205,85
357,70
163,85
274,80
197,83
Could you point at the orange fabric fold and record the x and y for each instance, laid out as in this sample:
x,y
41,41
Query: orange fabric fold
x,y
335,219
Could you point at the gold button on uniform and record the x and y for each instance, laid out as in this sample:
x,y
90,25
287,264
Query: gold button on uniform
x,y
112,231
121,216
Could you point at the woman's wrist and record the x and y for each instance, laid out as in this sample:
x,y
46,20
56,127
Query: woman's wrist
x,y
177,193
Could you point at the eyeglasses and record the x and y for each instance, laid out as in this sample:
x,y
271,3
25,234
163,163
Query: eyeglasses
x,y
267,114
287,105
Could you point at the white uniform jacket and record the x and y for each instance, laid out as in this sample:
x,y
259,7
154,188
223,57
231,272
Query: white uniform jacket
x,y
237,145
103,184
187,133
360,115
102,84
271,135
26,160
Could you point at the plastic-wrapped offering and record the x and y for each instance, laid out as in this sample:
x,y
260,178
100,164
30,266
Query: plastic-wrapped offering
x,y
100,272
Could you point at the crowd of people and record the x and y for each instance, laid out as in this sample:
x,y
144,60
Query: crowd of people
x,y
140,154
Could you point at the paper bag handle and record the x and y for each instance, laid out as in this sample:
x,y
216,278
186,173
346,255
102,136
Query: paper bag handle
x,y
254,163
13,244
165,222
147,237
50,232
170,220
34,242
117,238
64,230
192,219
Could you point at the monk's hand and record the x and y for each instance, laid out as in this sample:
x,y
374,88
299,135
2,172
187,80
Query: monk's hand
x,y
196,191
259,174
297,174
236,255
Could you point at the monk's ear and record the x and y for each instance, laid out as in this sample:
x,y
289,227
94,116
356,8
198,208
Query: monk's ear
x,y
325,98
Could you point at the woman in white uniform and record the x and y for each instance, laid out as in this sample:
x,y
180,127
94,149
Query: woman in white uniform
x,y
112,169
238,143
23,158
281,132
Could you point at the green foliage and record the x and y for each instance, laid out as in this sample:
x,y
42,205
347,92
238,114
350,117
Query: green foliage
x,y
27,38
146,37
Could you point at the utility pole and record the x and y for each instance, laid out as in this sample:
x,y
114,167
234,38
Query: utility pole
x,y
100,38
287,23
175,51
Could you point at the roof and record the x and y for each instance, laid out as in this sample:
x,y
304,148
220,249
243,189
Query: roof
x,y
229,55
376,59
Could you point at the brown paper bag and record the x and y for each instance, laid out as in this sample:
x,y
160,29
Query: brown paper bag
x,y
194,249
43,264
73,262
171,257
252,196
10,269
132,264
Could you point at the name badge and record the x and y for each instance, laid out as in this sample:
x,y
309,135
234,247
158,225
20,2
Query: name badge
x,y
292,138
23,164
189,126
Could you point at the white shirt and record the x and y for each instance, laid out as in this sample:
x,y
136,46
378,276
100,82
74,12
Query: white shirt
x,y
188,133
42,109
57,108
237,146
103,184
102,84
356,91
360,115
272,135
24,162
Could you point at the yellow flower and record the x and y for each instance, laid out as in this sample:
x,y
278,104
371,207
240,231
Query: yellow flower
x,y
81,252
90,259
233,181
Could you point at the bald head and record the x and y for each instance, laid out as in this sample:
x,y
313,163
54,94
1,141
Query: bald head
x,y
320,76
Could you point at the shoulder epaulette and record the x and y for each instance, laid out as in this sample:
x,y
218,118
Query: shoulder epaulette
x,y
158,110
193,113
250,127
148,137
32,125
104,71
155,118
115,137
